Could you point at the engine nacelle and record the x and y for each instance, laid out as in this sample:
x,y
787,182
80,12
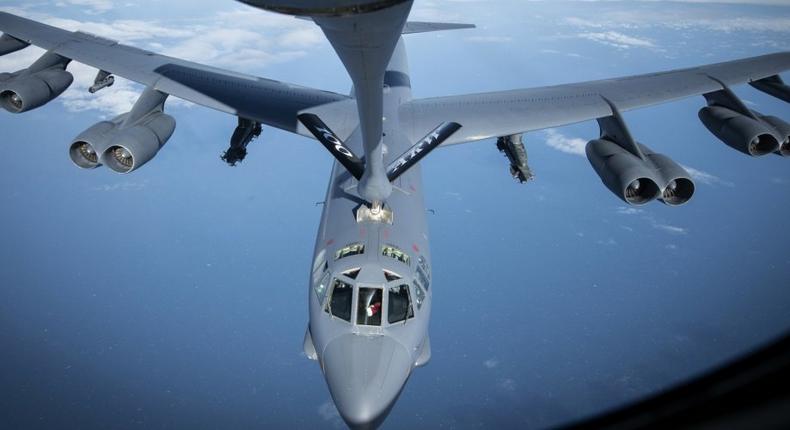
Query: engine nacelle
x,y
128,141
745,134
134,146
783,130
121,147
676,185
622,172
88,148
23,92
639,181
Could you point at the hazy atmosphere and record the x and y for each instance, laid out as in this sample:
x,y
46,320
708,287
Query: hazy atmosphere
x,y
176,296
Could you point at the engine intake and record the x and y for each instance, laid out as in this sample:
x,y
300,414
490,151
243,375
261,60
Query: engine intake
x,y
639,181
622,172
133,147
128,141
23,92
35,86
783,129
743,133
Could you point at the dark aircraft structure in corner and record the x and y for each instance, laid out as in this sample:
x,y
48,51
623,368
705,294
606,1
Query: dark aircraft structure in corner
x,y
370,282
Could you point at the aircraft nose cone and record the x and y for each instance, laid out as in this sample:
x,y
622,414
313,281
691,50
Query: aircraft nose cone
x,y
365,375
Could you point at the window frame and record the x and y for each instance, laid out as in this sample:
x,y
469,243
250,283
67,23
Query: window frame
x,y
406,258
352,249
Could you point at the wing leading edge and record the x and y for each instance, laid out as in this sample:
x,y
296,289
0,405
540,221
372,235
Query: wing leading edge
x,y
270,102
488,115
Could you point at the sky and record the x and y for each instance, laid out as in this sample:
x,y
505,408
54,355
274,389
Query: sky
x,y
175,297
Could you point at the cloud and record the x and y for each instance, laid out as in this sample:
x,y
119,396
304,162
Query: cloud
x,y
565,144
617,40
490,39
242,40
683,18
122,186
671,229
328,412
706,178
491,363
93,6
507,384
623,210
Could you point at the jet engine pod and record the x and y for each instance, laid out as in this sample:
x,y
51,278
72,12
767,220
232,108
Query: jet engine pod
x,y
743,133
24,92
676,184
627,176
132,147
783,129
323,7
87,148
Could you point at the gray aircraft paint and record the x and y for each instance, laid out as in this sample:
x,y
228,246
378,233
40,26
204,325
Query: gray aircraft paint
x,y
367,367
364,401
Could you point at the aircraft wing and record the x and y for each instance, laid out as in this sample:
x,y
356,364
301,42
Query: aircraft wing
x,y
270,102
506,113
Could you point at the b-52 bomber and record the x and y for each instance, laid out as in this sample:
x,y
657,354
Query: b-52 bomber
x,y
370,282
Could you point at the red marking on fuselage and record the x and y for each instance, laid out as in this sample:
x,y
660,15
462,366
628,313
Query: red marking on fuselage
x,y
415,248
330,242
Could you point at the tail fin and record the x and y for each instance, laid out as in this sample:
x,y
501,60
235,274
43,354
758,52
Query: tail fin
x,y
426,27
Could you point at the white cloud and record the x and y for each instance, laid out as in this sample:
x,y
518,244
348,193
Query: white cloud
x,y
622,210
565,144
617,40
682,18
491,363
93,6
328,412
490,39
507,384
122,186
242,39
706,178
670,228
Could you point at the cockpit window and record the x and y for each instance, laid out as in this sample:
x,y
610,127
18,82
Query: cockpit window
x,y
423,273
339,304
319,266
369,306
423,278
391,276
349,250
322,286
353,273
424,265
419,295
396,253
399,308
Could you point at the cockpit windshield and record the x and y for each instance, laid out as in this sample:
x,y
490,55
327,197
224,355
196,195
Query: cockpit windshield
x,y
369,306
339,304
396,253
399,308
349,250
